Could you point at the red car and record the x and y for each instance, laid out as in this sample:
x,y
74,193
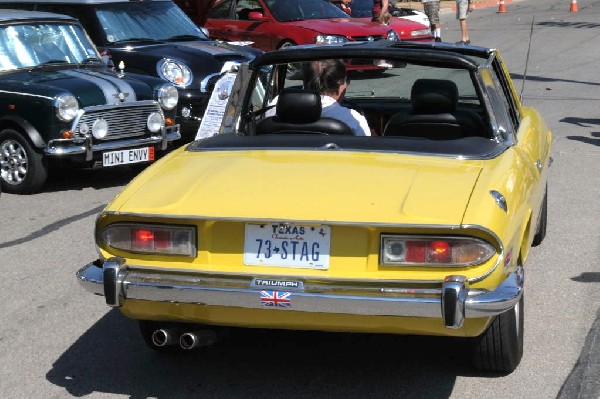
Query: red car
x,y
273,24
401,21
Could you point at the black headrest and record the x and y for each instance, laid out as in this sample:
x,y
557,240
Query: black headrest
x,y
434,96
299,106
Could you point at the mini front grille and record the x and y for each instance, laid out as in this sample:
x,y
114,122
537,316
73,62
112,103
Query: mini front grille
x,y
124,120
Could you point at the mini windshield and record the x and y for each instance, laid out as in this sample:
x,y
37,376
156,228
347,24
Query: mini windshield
x,y
30,45
293,10
139,21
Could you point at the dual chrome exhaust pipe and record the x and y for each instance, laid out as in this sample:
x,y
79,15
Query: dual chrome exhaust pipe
x,y
187,340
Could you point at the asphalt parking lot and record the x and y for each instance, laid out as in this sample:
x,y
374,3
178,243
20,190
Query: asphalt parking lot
x,y
57,341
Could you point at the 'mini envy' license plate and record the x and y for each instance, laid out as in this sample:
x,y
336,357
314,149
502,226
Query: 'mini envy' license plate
x,y
124,157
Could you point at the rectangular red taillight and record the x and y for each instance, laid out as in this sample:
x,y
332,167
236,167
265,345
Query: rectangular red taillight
x,y
151,239
436,251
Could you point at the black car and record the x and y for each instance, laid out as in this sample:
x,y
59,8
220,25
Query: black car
x,y
153,37
59,103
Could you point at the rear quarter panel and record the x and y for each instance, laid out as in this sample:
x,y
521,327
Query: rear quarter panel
x,y
515,175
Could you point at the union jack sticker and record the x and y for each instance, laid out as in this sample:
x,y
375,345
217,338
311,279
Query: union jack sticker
x,y
276,299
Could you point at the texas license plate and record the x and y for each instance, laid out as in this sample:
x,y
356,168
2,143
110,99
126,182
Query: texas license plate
x,y
124,157
287,245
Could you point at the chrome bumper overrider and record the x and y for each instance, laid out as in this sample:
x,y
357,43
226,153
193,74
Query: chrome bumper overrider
x,y
64,147
452,301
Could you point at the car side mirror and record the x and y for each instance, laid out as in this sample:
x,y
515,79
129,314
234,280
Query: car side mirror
x,y
257,16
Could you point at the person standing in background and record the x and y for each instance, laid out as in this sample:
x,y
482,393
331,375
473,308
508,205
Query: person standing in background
x,y
345,6
463,8
381,15
432,10
380,10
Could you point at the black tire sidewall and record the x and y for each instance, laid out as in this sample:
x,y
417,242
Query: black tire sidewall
x,y
540,233
500,348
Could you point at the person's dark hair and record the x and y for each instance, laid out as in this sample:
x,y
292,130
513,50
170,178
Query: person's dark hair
x,y
310,75
324,76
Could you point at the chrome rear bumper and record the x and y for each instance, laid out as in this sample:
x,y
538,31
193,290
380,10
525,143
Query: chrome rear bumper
x,y
452,301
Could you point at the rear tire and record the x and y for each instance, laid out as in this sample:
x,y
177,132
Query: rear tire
x,y
500,348
22,169
540,232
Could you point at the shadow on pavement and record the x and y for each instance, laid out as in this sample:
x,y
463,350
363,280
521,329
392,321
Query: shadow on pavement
x,y
587,277
516,76
584,380
111,357
64,179
52,227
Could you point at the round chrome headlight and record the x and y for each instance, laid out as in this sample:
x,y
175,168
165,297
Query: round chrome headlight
x,y
392,36
100,128
155,122
168,96
66,107
175,72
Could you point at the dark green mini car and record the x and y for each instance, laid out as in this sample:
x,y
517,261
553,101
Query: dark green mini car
x,y
59,102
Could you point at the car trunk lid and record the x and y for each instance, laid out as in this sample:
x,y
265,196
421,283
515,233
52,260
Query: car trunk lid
x,y
349,187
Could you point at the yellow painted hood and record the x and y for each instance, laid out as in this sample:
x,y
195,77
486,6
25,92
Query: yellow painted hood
x,y
305,186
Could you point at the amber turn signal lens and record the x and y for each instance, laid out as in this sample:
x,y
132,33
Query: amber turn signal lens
x,y
67,134
169,121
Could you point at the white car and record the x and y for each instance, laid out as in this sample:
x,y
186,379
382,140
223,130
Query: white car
x,y
411,14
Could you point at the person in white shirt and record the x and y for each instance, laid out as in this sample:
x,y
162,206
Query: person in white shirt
x,y
329,77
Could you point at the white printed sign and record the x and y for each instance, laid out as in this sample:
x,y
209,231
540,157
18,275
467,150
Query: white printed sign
x,y
213,116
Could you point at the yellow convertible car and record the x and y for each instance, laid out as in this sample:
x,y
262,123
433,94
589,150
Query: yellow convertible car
x,y
281,216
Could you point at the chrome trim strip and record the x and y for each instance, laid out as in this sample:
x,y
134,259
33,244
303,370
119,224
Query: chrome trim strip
x,y
482,157
141,103
300,221
317,283
192,288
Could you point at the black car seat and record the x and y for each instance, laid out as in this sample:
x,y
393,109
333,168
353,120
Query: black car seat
x,y
434,115
298,111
